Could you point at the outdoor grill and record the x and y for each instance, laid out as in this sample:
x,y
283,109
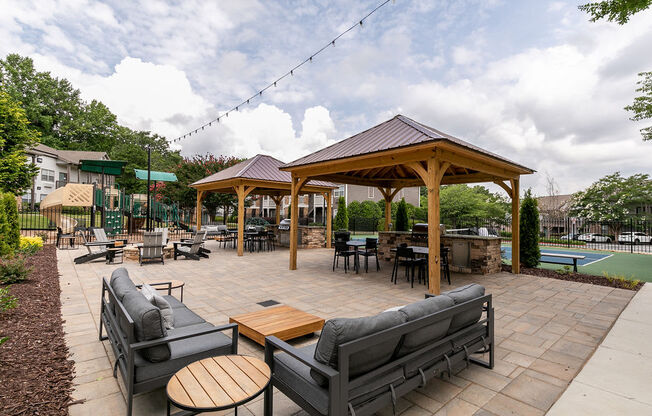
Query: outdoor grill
x,y
419,233
284,225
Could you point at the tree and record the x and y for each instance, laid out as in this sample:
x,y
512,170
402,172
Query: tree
x,y
342,217
642,107
192,169
365,209
620,11
462,205
402,222
612,198
5,247
529,231
12,230
15,137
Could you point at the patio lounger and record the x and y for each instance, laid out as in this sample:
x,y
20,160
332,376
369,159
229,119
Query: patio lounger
x,y
360,366
152,248
147,353
192,251
164,231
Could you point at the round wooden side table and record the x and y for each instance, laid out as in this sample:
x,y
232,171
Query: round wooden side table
x,y
217,383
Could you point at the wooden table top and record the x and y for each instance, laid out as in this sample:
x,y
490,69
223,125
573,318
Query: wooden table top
x,y
218,383
284,322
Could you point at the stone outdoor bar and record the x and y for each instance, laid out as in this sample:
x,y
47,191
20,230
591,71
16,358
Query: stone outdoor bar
x,y
467,253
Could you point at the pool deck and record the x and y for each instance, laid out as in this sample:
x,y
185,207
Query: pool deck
x,y
546,329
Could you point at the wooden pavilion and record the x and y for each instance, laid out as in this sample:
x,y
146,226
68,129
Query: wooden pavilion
x,y
260,175
401,153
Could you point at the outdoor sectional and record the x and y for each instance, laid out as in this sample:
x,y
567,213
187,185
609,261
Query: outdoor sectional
x,y
362,365
148,354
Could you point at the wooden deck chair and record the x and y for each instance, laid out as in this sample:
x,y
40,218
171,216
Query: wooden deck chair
x,y
190,250
152,248
164,231
96,250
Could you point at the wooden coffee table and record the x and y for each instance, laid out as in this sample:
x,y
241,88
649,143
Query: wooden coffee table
x,y
217,383
284,322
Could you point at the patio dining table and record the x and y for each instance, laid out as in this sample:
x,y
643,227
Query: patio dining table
x,y
356,259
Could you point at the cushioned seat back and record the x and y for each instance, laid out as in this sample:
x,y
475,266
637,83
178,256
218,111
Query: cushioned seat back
x,y
121,285
342,330
461,295
148,323
430,333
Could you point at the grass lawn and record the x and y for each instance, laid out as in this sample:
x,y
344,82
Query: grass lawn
x,y
34,221
631,266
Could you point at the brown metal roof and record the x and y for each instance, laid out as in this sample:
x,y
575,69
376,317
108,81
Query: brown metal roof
x,y
259,167
397,132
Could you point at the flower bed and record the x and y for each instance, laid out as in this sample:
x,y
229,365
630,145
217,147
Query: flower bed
x,y
36,375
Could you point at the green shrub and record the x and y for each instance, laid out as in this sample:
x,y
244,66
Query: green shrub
x,y
529,228
402,216
5,247
13,226
3,340
43,236
257,221
342,217
30,245
13,270
7,301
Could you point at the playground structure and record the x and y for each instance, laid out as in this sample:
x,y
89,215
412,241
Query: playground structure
x,y
71,195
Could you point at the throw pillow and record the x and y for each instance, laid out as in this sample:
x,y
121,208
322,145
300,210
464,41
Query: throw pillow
x,y
159,301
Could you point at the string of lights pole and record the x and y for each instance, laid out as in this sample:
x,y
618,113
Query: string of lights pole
x,y
289,73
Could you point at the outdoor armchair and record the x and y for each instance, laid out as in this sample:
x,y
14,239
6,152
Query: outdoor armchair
x,y
152,248
191,249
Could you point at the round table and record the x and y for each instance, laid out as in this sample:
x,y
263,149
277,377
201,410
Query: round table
x,y
218,383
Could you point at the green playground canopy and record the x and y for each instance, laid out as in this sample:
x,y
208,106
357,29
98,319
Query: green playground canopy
x,y
156,176
107,167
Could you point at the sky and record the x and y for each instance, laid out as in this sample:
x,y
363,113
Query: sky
x,y
531,80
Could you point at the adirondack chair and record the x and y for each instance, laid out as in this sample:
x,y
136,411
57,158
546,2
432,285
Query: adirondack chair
x,y
100,237
98,248
164,231
152,248
190,250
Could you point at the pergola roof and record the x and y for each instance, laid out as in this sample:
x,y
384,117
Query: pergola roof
x,y
261,171
389,146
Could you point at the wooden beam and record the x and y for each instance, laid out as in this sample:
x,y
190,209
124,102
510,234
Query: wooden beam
x,y
505,187
516,232
200,196
242,191
433,175
471,161
277,201
297,183
467,178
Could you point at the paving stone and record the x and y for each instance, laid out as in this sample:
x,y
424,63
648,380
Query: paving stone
x,y
502,405
533,391
457,407
477,395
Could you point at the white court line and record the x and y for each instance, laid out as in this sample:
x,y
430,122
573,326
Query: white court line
x,y
595,261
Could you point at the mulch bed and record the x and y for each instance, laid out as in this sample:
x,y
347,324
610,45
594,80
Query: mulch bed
x,y
576,277
35,373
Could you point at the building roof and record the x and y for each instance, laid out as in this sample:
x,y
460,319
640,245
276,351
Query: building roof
x,y
155,175
259,167
71,156
395,133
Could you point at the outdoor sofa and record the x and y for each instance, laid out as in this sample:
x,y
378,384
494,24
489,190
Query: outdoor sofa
x,y
362,365
147,353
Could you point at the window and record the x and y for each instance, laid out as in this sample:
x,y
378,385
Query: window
x,y
47,175
370,191
43,197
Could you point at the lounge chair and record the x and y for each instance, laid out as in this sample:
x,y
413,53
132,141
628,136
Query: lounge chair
x,y
190,249
164,231
152,248
98,248
100,237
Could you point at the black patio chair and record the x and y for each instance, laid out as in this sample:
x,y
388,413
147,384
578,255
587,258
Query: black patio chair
x,y
405,257
342,236
445,265
370,250
342,250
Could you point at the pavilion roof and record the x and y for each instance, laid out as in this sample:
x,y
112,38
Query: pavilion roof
x,y
398,132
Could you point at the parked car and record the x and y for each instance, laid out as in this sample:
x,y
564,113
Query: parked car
x,y
595,238
635,237
567,237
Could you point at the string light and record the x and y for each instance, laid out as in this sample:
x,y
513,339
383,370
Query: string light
x,y
290,72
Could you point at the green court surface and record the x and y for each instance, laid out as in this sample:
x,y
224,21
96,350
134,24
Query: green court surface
x,y
631,266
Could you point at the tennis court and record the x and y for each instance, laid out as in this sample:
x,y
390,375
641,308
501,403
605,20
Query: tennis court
x,y
631,266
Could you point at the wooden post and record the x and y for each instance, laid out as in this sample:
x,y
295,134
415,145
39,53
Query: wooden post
x,y
329,219
242,191
388,212
516,223
200,196
277,201
434,269
297,183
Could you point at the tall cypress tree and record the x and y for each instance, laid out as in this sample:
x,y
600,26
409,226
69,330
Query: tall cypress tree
x,y
342,217
402,220
529,229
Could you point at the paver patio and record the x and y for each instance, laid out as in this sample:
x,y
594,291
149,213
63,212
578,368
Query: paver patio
x,y
546,329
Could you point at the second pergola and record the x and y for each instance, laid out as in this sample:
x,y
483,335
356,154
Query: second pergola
x,y
259,175
403,153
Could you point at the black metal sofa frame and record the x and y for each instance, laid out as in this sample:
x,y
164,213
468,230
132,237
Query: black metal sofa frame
x,y
449,355
125,345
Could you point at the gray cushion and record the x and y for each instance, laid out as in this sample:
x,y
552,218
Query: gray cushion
x,y
183,352
461,295
433,332
157,300
174,302
342,330
121,283
297,375
185,317
148,323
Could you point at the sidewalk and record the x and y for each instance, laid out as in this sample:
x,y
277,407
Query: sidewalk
x,y
617,378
